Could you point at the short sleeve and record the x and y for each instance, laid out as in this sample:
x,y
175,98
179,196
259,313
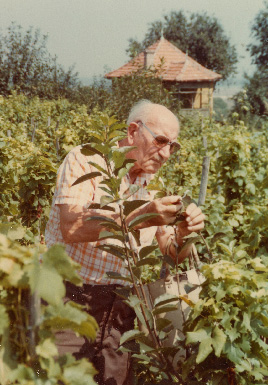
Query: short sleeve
x,y
74,166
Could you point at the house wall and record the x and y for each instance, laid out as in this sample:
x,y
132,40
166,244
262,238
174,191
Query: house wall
x,y
194,95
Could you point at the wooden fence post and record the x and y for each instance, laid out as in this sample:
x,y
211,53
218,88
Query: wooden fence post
x,y
57,141
33,132
204,180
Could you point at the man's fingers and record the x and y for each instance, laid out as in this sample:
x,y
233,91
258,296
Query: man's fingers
x,y
169,200
192,208
172,209
193,220
198,227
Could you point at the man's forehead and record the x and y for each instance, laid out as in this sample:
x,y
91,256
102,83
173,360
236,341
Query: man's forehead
x,y
160,115
164,123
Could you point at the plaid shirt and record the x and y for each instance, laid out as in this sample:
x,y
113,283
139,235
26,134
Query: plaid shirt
x,y
94,262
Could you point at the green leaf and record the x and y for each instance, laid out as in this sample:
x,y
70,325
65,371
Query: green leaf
x,y
22,375
130,191
119,155
164,309
124,149
225,248
142,218
104,200
98,206
124,168
187,200
135,233
70,316
115,134
79,373
130,206
110,235
137,272
130,346
145,251
14,272
123,292
50,286
160,194
147,261
51,367
100,218
4,320
198,336
117,276
90,150
133,301
217,236
168,259
189,241
218,340
46,349
113,249
111,225
57,258
164,299
106,190
251,188
12,231
233,222
130,335
205,349
86,177
98,167
102,148
162,323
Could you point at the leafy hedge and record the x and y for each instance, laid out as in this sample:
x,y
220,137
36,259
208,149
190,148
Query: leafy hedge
x,y
36,135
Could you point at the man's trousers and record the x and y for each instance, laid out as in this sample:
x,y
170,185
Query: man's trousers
x,y
114,318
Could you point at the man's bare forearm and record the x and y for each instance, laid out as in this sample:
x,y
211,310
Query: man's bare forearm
x,y
75,226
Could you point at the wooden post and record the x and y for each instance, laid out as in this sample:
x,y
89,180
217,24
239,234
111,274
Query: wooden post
x,y
33,133
205,142
9,133
204,181
57,141
218,185
34,303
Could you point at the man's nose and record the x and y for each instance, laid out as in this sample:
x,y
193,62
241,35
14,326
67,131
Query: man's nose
x,y
165,152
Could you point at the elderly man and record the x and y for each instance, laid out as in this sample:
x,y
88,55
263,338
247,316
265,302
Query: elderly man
x,y
153,129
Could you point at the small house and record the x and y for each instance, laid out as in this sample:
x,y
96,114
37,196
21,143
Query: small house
x,y
194,84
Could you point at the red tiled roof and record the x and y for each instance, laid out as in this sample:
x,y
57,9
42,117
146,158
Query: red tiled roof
x,y
178,66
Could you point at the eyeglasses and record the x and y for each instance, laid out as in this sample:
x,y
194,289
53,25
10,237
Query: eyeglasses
x,y
162,141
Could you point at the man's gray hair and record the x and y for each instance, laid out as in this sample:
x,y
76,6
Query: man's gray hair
x,y
141,111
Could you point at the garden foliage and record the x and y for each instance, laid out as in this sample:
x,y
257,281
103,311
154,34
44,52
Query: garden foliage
x,y
227,330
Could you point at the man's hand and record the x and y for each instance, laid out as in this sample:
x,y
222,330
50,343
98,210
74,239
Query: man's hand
x,y
166,207
194,221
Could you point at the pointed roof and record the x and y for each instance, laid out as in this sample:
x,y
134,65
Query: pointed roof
x,y
178,66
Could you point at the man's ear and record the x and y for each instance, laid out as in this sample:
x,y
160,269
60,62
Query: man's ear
x,y
132,131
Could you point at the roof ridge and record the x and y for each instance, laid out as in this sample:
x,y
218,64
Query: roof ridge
x,y
179,66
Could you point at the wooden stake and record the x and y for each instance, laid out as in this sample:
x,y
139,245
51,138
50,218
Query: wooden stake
x,y
204,181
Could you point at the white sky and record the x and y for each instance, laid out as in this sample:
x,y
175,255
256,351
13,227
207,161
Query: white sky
x,y
93,34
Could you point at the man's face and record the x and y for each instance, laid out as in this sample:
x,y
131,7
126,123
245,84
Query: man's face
x,y
150,157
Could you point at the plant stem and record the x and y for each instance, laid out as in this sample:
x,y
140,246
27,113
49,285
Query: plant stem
x,y
208,249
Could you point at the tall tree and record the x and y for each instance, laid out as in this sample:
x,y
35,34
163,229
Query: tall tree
x,y
200,35
26,65
259,49
255,97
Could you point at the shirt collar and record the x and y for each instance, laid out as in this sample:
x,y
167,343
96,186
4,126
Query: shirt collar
x,y
142,179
